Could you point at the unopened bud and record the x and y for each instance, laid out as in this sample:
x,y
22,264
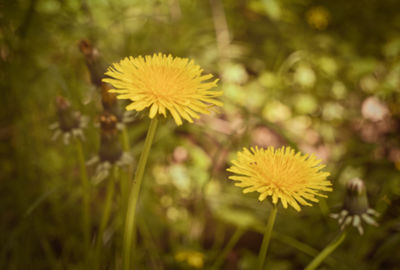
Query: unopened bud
x,y
355,208
110,147
67,118
93,61
70,123
109,100
356,201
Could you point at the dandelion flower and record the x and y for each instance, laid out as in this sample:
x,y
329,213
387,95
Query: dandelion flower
x,y
318,17
282,174
164,83
193,258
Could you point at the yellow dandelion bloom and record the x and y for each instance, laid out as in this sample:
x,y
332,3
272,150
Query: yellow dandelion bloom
x,y
164,83
318,17
193,258
281,173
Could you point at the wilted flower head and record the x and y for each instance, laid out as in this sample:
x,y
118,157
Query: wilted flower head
x,y
110,147
163,83
283,174
355,207
70,123
110,151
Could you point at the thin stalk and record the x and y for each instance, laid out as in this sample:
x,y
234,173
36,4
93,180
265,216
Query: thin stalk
x,y
267,236
290,241
106,214
85,194
300,246
218,236
150,244
124,185
231,244
326,251
125,139
130,233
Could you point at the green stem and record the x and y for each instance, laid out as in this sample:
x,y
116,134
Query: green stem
x,y
86,195
326,251
130,234
290,241
219,236
267,236
150,244
106,214
125,179
125,139
231,244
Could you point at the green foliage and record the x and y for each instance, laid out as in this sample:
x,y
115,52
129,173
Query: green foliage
x,y
295,73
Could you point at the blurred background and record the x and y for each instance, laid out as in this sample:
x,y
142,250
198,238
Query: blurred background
x,y
320,76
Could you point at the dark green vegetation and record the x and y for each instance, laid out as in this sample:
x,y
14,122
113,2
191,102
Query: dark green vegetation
x,y
321,76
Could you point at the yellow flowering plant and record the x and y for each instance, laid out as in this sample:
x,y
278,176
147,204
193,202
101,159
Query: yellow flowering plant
x,y
160,83
283,174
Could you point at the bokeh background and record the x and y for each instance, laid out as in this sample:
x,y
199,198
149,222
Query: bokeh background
x,y
320,76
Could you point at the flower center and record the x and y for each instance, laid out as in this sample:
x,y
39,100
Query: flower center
x,y
167,82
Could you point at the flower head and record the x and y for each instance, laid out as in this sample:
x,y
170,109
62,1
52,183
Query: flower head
x,y
110,152
191,257
281,173
356,208
70,123
318,17
163,83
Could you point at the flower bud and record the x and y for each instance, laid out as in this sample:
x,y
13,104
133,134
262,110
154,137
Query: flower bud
x,y
109,101
355,208
110,147
93,61
67,119
70,123
356,201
